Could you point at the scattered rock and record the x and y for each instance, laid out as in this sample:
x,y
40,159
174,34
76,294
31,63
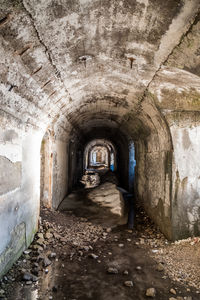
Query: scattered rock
x,y
92,255
29,277
40,236
40,241
142,241
35,271
28,251
112,270
160,267
151,292
54,288
121,245
37,247
173,291
48,235
56,235
126,272
52,255
128,283
86,248
46,262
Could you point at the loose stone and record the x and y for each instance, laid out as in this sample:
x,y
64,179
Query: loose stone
x,y
128,283
112,270
92,255
151,292
40,235
48,235
29,277
40,241
160,267
172,291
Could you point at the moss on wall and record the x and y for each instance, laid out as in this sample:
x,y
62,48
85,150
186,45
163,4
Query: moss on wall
x,y
14,249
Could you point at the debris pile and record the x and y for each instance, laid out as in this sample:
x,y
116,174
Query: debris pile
x,y
91,179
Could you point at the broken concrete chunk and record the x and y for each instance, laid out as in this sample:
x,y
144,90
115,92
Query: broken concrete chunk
x,y
151,292
128,283
112,270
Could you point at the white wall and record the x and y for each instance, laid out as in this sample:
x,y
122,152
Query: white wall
x,y
186,180
60,172
20,190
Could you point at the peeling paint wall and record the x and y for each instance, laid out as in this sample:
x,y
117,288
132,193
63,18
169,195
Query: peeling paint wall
x,y
153,185
20,190
186,180
60,172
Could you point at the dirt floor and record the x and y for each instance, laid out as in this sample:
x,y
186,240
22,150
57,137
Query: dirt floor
x,y
78,256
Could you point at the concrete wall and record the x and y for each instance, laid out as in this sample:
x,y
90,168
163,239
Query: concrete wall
x,y
46,169
19,189
186,180
60,172
153,185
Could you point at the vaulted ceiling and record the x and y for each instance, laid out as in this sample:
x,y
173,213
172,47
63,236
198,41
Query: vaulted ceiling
x,y
88,63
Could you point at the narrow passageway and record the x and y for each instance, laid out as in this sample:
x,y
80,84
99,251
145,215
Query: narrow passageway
x,y
99,149
98,243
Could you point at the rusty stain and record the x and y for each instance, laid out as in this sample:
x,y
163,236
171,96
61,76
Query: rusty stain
x,y
46,83
37,70
4,20
131,61
58,100
23,50
51,94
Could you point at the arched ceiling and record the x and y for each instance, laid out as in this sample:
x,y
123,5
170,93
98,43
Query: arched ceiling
x,y
82,63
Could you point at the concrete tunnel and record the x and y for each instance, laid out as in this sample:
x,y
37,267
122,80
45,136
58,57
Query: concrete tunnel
x,y
75,72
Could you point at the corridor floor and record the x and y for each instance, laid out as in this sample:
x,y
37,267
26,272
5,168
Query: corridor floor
x,y
78,256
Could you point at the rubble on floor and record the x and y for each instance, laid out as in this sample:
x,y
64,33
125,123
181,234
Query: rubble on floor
x,y
90,179
181,261
71,256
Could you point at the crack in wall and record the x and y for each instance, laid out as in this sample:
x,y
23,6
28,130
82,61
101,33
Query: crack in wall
x,y
146,89
47,51
193,23
189,30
